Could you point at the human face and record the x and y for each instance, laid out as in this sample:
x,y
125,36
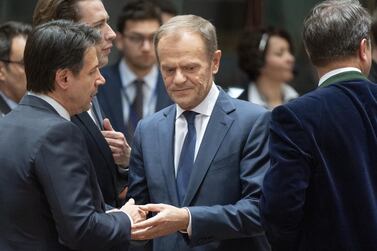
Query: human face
x,y
279,61
136,44
12,73
93,13
83,86
187,68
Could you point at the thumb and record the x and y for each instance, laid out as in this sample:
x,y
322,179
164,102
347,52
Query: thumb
x,y
107,125
130,202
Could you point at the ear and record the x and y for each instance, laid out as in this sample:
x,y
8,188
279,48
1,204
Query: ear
x,y
216,61
62,78
119,41
365,50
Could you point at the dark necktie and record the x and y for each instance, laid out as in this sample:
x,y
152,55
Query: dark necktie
x,y
136,109
186,160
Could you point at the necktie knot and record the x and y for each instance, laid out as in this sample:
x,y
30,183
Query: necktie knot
x,y
190,117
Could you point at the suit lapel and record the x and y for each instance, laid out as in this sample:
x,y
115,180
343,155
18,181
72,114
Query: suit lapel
x,y
97,136
166,126
217,128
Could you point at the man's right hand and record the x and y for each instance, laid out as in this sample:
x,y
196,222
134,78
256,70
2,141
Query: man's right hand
x,y
134,211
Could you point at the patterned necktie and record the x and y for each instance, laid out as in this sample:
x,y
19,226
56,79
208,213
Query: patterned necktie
x,y
186,160
136,109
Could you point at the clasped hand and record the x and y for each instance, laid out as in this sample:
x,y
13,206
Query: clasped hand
x,y
168,219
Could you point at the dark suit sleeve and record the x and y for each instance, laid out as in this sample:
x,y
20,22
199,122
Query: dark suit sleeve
x,y
219,222
286,181
67,177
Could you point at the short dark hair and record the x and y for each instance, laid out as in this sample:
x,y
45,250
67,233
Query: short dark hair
x,y
138,10
59,44
47,10
252,48
8,31
167,6
334,29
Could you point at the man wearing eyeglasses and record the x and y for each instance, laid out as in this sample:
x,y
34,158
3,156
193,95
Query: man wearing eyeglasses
x,y
13,37
134,86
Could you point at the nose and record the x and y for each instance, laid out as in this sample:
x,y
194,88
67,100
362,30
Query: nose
x,y
146,45
290,58
179,77
109,33
100,79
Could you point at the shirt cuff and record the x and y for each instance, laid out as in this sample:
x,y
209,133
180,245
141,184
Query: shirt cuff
x,y
189,227
117,210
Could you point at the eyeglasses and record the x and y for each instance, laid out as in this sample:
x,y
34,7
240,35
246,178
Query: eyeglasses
x,y
139,39
12,62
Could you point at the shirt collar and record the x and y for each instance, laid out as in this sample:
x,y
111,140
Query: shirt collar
x,y
335,72
206,106
128,76
10,102
58,107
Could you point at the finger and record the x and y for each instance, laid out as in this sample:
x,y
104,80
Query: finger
x,y
130,202
142,234
146,224
107,125
153,207
113,135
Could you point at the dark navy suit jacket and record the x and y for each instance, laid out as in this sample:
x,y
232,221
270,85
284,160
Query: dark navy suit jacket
x,y
49,195
321,190
110,97
224,188
110,180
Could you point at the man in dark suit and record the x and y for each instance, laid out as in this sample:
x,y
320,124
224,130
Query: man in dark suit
x,y
204,157
51,199
13,37
134,86
321,192
107,148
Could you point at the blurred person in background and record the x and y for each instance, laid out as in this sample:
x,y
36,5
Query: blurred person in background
x,y
13,37
265,55
168,9
135,87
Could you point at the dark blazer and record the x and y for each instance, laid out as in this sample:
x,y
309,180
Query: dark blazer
x,y
110,180
321,190
110,97
225,185
50,199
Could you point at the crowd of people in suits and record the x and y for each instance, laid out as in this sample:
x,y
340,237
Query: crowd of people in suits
x,y
150,153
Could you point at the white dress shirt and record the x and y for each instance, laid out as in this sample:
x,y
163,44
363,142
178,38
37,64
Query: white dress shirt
x,y
129,90
58,107
204,110
12,104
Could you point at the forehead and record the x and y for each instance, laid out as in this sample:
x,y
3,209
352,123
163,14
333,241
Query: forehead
x,y
277,41
182,43
91,11
142,26
18,46
90,58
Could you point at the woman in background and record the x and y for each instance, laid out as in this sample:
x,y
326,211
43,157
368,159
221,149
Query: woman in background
x,y
266,57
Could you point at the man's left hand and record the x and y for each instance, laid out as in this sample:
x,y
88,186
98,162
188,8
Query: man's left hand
x,y
169,219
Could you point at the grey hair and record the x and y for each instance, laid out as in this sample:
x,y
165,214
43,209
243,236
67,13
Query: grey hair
x,y
190,23
334,29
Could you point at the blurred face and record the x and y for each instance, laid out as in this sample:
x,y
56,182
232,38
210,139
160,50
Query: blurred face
x,y
93,13
186,68
279,61
136,44
83,86
12,73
